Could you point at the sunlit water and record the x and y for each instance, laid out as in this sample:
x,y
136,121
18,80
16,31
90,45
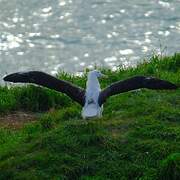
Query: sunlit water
x,y
71,35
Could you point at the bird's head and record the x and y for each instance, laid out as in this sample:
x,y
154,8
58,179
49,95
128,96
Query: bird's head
x,y
96,73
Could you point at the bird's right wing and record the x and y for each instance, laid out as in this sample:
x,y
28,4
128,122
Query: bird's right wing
x,y
40,78
135,82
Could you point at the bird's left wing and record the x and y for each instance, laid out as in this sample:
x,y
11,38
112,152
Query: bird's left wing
x,y
135,82
40,78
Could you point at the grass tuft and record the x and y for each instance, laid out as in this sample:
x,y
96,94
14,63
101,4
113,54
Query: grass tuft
x,y
137,138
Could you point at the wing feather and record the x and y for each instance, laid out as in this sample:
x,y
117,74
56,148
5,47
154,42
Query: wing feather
x,y
40,78
133,83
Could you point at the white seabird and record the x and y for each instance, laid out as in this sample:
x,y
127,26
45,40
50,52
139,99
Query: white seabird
x,y
93,89
93,98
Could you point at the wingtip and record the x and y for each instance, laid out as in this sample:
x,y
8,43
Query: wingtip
x,y
173,86
162,84
15,77
6,77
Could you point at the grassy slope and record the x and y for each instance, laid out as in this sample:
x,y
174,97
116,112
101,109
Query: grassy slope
x,y
137,138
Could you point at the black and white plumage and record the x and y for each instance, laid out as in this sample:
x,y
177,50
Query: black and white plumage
x,y
93,97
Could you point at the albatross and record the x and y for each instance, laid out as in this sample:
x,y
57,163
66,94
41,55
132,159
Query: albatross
x,y
92,98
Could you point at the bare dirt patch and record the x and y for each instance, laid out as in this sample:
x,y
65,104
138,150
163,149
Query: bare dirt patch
x,y
16,120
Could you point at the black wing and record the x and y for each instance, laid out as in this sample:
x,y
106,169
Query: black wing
x,y
74,92
134,83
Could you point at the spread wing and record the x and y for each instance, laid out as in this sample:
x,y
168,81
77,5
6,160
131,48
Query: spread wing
x,y
40,78
134,83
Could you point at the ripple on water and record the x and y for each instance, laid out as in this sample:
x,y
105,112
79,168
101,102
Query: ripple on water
x,y
62,3
47,10
55,36
89,39
35,34
9,41
44,12
110,59
147,40
126,52
103,21
49,46
147,33
6,25
86,55
164,4
138,42
148,13
20,53
164,33
104,32
122,11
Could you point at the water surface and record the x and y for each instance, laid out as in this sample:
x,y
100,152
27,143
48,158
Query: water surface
x,y
70,35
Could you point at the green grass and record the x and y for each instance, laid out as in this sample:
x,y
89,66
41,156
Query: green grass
x,y
137,138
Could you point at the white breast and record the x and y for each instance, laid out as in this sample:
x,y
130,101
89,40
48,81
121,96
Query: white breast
x,y
91,107
91,110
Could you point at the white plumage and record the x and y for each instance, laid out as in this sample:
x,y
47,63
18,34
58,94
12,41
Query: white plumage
x,y
91,107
